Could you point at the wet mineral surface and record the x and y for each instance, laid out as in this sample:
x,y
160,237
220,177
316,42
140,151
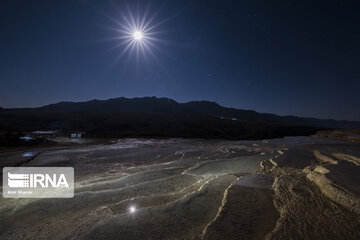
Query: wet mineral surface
x,y
290,188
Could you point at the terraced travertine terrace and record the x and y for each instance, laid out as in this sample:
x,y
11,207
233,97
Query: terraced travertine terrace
x,y
291,188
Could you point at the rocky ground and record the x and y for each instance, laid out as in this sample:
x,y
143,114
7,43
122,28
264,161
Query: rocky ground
x,y
291,188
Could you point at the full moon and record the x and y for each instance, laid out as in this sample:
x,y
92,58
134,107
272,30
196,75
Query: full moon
x,y
138,35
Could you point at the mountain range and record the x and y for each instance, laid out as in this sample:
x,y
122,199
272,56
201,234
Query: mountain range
x,y
161,117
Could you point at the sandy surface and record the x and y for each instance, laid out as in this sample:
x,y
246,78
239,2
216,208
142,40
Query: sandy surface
x,y
291,188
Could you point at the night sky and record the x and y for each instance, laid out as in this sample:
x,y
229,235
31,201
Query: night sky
x,y
284,57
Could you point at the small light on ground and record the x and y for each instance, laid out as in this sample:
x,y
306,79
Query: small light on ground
x,y
132,209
